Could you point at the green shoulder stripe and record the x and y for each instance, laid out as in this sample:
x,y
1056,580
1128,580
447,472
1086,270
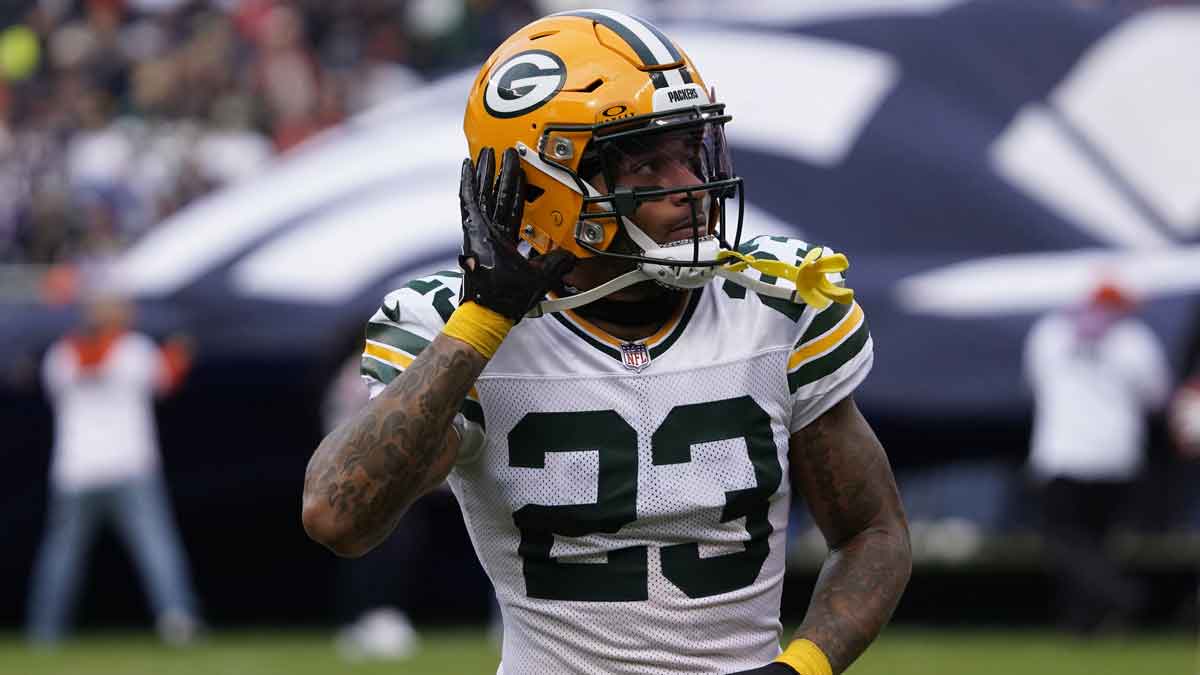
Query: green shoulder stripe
x,y
828,363
378,370
823,322
396,337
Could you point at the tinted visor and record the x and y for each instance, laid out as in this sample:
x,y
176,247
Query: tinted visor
x,y
671,158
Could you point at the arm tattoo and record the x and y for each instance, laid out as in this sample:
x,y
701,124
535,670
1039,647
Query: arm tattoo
x,y
843,473
370,469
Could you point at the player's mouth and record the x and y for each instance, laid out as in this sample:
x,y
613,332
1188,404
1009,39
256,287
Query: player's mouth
x,y
684,230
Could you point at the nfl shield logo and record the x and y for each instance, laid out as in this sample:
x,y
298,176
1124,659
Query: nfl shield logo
x,y
635,356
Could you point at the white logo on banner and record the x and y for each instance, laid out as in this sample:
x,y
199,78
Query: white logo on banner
x,y
1111,151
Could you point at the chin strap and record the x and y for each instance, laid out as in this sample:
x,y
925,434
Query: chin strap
x,y
591,295
812,286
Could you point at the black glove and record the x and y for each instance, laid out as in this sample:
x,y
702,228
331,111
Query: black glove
x,y
774,668
495,274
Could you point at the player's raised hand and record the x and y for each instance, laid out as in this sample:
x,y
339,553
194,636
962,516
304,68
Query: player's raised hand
x,y
495,274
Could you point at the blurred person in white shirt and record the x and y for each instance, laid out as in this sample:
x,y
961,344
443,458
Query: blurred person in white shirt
x,y
101,380
1096,372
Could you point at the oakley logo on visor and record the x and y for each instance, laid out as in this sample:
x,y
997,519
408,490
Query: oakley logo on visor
x,y
524,83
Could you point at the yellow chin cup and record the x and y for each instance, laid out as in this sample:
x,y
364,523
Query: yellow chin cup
x,y
812,286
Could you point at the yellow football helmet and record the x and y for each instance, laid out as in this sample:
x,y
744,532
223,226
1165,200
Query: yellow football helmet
x,y
578,92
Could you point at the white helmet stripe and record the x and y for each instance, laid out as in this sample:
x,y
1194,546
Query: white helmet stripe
x,y
662,54
645,40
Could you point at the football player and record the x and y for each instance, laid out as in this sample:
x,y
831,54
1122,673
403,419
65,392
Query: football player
x,y
623,399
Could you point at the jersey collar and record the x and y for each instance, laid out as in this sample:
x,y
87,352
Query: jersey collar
x,y
656,344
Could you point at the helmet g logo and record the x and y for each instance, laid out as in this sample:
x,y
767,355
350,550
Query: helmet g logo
x,y
524,83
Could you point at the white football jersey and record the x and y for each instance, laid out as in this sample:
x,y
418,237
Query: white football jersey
x,y
630,502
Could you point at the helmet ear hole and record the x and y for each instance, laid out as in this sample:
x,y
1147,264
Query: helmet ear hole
x,y
590,164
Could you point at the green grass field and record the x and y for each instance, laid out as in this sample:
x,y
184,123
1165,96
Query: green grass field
x,y
899,652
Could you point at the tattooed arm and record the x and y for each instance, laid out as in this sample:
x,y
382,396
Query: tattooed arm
x,y
840,468
367,472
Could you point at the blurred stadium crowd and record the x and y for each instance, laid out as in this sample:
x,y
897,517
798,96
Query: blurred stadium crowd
x,y
116,113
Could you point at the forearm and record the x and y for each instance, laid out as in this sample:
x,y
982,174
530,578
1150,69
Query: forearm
x,y
858,589
842,471
365,474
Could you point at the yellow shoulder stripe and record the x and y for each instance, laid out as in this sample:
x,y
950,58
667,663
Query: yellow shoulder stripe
x,y
390,355
399,360
849,324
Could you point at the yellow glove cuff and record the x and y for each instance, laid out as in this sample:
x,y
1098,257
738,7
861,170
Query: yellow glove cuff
x,y
806,658
479,327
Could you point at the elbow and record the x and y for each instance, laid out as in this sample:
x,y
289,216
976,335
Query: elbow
x,y
906,564
322,525
903,552
893,544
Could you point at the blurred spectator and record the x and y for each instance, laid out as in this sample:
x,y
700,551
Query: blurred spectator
x,y
1095,371
383,73
101,380
116,113
286,77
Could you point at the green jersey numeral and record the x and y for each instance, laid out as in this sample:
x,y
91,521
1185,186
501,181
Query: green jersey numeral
x,y
672,444
623,578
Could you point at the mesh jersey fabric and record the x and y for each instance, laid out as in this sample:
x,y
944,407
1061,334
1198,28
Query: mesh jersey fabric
x,y
634,521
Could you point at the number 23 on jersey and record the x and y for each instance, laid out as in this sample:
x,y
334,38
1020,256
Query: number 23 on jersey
x,y
624,576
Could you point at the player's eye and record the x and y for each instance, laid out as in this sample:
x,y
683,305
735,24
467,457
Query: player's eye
x,y
645,167
638,165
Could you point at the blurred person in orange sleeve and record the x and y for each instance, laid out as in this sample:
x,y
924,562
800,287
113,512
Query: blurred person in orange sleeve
x,y
287,76
1096,372
101,379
